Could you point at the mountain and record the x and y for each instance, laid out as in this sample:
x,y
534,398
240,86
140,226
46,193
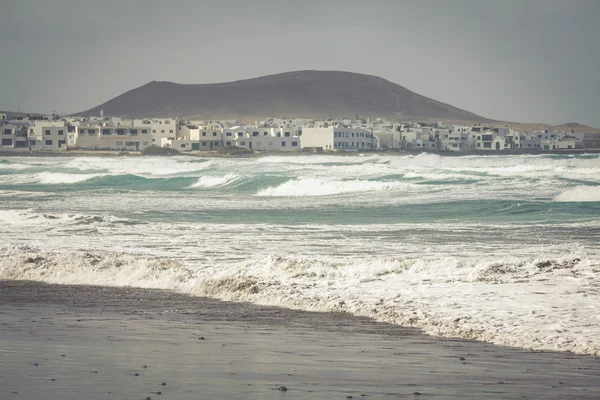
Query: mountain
x,y
302,94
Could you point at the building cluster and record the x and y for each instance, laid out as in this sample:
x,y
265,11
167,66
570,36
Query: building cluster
x,y
22,132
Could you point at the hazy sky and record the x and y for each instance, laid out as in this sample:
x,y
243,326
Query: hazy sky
x,y
517,60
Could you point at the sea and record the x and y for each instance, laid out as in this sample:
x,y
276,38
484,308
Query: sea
x,y
502,248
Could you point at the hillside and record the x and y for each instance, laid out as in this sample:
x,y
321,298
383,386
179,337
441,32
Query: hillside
x,y
302,94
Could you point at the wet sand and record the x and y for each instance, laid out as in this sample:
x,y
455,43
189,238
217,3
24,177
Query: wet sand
x,y
81,342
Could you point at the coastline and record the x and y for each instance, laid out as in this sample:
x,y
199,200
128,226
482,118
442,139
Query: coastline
x,y
256,154
69,341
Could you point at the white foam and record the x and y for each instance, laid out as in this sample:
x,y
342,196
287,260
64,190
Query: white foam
x,y
148,166
579,194
209,181
303,187
15,166
46,178
57,178
512,302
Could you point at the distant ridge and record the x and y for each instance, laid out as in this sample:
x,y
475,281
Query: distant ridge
x,y
302,94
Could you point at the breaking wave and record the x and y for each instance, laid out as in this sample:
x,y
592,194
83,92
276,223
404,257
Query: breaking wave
x,y
303,187
47,178
427,293
209,181
579,194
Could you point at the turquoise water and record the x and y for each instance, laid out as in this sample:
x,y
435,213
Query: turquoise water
x,y
415,240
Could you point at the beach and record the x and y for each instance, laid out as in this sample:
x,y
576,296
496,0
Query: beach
x,y
71,341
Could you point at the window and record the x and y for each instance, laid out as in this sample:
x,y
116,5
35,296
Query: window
x,y
171,131
162,131
6,142
227,143
282,144
48,142
91,132
118,143
214,133
243,143
47,132
216,144
204,144
8,132
153,130
133,132
254,133
287,134
120,131
228,134
183,145
266,134
240,134
61,132
132,144
144,131
106,131
294,144
203,133
61,143
146,143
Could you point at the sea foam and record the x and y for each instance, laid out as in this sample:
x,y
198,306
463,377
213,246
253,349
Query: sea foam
x,y
579,194
209,181
303,187
427,293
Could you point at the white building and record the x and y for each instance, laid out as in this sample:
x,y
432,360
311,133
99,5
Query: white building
x,y
119,137
54,138
340,138
13,137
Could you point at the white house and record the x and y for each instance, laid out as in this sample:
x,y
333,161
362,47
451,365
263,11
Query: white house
x,y
54,138
340,138
13,136
113,137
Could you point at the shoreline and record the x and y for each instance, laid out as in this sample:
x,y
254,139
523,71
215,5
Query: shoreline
x,y
256,154
71,341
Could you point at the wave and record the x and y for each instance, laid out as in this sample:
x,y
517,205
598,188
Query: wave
x,y
30,218
209,181
303,187
446,296
57,178
145,166
579,194
322,160
13,166
46,178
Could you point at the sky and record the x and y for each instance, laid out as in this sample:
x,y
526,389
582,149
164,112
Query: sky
x,y
512,60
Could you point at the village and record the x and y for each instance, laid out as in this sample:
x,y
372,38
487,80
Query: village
x,y
54,133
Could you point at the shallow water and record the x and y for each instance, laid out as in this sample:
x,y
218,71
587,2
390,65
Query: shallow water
x,y
496,248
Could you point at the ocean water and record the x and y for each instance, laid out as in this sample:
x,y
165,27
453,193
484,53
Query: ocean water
x,y
503,249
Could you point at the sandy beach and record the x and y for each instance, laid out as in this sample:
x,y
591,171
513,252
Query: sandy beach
x,y
67,342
